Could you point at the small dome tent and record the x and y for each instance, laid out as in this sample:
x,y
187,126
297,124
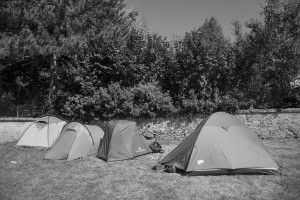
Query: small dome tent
x,y
221,144
43,132
121,141
76,141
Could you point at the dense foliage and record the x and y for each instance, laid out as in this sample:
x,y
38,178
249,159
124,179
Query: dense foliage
x,y
90,59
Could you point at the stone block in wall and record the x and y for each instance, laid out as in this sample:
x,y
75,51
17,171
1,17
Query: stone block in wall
x,y
187,133
294,132
148,135
281,123
272,133
295,123
262,134
263,125
265,134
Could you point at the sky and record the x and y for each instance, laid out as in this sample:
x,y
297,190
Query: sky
x,y
175,17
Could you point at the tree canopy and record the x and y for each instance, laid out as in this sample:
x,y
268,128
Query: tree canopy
x,y
92,59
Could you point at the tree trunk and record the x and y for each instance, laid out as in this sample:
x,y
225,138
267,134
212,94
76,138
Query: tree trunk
x,y
52,83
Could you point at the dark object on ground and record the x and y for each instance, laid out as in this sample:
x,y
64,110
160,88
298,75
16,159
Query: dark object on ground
x,y
156,147
158,167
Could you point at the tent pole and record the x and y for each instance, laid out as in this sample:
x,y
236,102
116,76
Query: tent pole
x,y
48,132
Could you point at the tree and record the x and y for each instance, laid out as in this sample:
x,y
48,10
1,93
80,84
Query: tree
x,y
56,30
203,63
267,59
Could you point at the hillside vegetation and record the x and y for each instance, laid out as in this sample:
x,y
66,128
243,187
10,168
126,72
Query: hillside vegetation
x,y
89,59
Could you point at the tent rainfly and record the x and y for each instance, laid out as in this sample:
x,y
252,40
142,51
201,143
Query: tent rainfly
x,y
221,144
42,133
121,141
76,141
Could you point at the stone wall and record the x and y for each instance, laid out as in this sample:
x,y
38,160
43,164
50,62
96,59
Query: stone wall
x,y
273,124
267,124
11,129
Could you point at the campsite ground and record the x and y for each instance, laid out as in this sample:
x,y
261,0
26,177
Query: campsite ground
x,y
25,174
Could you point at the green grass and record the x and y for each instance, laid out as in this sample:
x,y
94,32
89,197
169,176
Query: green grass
x,y
33,177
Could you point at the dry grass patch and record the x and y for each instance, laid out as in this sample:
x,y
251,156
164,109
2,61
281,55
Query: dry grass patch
x,y
33,177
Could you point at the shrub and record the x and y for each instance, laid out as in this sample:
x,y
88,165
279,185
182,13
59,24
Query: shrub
x,y
144,100
150,101
193,104
228,104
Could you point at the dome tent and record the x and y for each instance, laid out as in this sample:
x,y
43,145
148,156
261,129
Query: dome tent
x,y
42,132
76,141
121,141
221,144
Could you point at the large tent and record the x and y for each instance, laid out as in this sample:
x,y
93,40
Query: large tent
x,y
121,141
221,144
43,132
76,141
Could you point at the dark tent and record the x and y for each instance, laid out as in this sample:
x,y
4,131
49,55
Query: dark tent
x,y
121,141
221,144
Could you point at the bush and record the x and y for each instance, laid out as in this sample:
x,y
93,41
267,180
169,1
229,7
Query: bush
x,y
145,100
228,104
231,104
150,101
193,104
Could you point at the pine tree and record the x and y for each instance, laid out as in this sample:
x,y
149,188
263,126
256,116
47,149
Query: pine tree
x,y
57,30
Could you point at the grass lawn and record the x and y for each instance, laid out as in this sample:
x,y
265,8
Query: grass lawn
x,y
25,174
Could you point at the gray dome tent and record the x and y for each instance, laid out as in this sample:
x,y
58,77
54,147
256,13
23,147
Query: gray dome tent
x,y
42,132
76,141
221,144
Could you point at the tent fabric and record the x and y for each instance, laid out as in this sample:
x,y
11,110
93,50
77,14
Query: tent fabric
x,y
121,141
42,133
101,124
221,144
49,119
76,141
